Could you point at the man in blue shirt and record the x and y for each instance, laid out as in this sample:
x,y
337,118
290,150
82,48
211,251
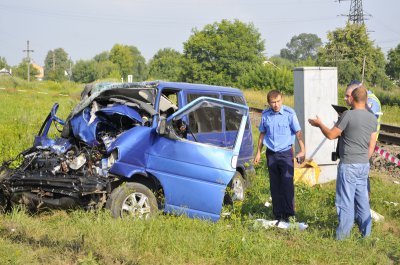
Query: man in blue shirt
x,y
278,128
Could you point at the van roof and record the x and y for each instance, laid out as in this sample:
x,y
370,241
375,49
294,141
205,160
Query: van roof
x,y
190,86
97,87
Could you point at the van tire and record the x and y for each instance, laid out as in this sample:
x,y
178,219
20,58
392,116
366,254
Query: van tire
x,y
132,200
236,189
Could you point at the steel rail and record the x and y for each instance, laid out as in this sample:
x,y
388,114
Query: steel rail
x,y
389,138
390,128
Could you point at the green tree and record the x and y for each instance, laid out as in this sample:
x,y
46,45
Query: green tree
x,y
87,71
166,64
268,76
129,61
3,63
21,71
84,71
346,49
222,52
103,56
393,65
302,47
56,65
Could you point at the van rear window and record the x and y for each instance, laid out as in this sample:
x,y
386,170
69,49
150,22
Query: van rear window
x,y
204,120
232,118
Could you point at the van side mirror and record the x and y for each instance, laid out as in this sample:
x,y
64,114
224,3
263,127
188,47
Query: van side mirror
x,y
162,126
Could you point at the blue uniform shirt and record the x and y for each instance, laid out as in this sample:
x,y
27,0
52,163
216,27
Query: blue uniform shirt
x,y
280,128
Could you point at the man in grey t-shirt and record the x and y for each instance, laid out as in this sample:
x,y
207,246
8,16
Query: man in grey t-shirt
x,y
357,131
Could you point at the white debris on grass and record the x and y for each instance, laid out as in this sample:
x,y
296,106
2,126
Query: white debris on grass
x,y
391,203
376,216
266,223
280,224
396,182
267,204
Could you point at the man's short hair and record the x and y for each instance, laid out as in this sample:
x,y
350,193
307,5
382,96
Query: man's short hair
x,y
353,85
360,94
354,82
273,94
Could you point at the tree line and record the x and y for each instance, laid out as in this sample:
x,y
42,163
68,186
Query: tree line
x,y
232,53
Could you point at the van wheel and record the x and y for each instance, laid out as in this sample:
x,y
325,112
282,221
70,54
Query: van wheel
x,y
4,204
132,200
235,190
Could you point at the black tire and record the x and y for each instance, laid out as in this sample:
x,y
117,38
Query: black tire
x,y
236,189
4,204
132,200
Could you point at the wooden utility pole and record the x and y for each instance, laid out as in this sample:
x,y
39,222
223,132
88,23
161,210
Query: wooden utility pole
x,y
29,59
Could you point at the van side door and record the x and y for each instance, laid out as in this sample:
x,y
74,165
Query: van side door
x,y
194,175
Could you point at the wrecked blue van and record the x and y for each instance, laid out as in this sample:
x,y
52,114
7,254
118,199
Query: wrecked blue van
x,y
137,148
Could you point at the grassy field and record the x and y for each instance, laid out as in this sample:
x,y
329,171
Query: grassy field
x,y
78,237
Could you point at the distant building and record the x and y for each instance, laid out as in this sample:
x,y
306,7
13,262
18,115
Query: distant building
x,y
5,71
40,69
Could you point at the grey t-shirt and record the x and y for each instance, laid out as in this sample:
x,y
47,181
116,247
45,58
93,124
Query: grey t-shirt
x,y
357,126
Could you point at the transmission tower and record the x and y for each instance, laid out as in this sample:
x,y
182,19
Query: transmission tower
x,y
356,13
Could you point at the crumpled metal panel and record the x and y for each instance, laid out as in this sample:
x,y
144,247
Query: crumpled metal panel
x,y
83,130
121,110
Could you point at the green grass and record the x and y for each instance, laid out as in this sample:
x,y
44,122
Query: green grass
x,y
78,237
21,115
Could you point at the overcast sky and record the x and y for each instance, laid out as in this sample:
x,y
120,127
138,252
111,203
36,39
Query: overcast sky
x,y
84,28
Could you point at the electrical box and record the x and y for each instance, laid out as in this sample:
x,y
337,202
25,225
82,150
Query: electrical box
x,y
315,90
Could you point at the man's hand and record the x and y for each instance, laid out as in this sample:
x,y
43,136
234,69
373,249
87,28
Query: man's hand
x,y
257,158
315,122
300,157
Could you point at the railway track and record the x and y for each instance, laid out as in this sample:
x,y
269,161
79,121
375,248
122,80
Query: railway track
x,y
389,134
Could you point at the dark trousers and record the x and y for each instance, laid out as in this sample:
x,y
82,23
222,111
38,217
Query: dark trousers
x,y
281,170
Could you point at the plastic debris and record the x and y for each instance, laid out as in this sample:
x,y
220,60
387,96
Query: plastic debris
x,y
280,224
391,203
307,172
286,225
267,204
266,223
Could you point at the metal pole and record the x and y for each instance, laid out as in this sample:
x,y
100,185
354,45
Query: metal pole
x,y
29,59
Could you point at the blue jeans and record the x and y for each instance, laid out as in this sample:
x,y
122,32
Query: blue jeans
x,y
352,198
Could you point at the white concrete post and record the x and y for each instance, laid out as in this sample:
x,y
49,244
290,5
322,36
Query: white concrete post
x,y
315,90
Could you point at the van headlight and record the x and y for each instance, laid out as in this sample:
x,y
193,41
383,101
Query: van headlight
x,y
112,158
